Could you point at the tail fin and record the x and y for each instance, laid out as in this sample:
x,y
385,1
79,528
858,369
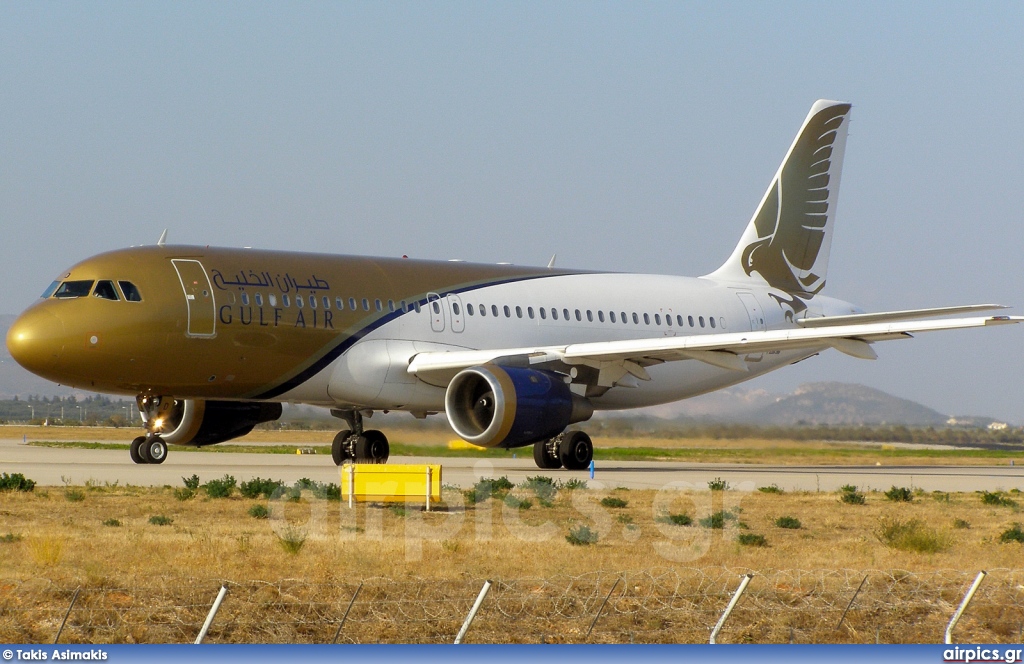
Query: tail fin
x,y
787,241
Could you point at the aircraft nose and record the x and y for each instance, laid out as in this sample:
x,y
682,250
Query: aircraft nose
x,y
36,340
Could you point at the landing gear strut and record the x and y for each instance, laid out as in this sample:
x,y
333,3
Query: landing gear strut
x,y
355,443
572,450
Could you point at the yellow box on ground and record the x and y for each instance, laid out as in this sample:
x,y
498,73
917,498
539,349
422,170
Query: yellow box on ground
x,y
391,482
459,444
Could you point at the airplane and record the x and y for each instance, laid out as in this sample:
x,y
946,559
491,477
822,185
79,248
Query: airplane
x,y
211,341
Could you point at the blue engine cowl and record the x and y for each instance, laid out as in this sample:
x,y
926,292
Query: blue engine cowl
x,y
495,406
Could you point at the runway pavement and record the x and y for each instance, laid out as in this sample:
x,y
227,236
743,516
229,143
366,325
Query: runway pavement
x,y
55,466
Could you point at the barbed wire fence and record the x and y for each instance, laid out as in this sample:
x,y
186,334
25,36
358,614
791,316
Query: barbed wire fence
x,y
659,605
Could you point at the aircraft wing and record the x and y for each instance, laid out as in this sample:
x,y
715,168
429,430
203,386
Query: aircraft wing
x,y
622,362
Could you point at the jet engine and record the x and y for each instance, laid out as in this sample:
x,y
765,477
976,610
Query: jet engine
x,y
198,422
499,406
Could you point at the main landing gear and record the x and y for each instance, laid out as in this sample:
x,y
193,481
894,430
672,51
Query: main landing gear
x,y
572,450
355,443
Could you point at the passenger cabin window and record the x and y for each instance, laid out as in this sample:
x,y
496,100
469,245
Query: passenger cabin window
x,y
455,308
286,300
312,301
578,316
366,304
469,308
50,290
339,303
657,319
436,307
327,302
565,314
508,312
352,304
590,316
245,297
298,301
494,310
543,314
689,319
600,315
711,320
647,319
529,312
701,320
519,311
70,289
391,305
636,319
272,299
611,316
377,304
554,313
679,319
105,291
416,306
483,309
624,321
259,299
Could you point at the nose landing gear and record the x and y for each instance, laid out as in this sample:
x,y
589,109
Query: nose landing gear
x,y
148,449
355,443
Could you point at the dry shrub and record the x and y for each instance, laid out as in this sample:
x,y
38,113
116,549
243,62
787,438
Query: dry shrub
x,y
46,551
913,535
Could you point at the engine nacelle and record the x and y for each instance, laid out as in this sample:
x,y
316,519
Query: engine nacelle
x,y
198,422
495,406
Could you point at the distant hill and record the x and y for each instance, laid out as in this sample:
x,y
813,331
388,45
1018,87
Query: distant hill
x,y
845,404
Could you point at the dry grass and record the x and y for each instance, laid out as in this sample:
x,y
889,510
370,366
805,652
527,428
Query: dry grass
x,y
65,545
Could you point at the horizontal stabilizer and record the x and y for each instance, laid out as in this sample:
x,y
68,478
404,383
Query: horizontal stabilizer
x,y
889,316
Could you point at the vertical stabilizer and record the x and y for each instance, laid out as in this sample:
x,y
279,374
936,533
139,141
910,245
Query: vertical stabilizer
x,y
787,241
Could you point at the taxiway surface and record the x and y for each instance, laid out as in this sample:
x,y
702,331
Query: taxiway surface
x,y
53,466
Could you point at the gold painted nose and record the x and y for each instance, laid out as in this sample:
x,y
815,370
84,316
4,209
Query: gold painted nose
x,y
36,340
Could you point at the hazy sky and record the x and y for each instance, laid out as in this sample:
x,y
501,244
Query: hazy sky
x,y
633,136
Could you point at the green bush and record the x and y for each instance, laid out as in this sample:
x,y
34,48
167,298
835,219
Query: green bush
x,y
543,487
960,524
913,535
624,518
184,494
581,536
518,503
16,482
613,502
488,487
997,499
574,483
773,488
752,539
675,519
161,520
10,538
191,482
717,520
259,512
718,484
291,540
1012,534
74,495
849,495
221,488
113,523
900,494
257,487
788,522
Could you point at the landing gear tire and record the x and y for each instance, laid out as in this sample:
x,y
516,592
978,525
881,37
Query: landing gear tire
x,y
135,449
543,458
576,451
339,448
154,450
372,447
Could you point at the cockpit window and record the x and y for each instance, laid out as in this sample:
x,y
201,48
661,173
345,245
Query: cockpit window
x,y
131,293
50,289
105,290
70,289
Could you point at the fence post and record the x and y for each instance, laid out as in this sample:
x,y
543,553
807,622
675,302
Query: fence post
x,y
608,597
848,606
351,484
428,487
963,605
744,580
472,612
64,622
345,617
213,612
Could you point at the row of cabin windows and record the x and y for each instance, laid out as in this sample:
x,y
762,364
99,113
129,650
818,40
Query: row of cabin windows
x,y
324,301
601,317
105,290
